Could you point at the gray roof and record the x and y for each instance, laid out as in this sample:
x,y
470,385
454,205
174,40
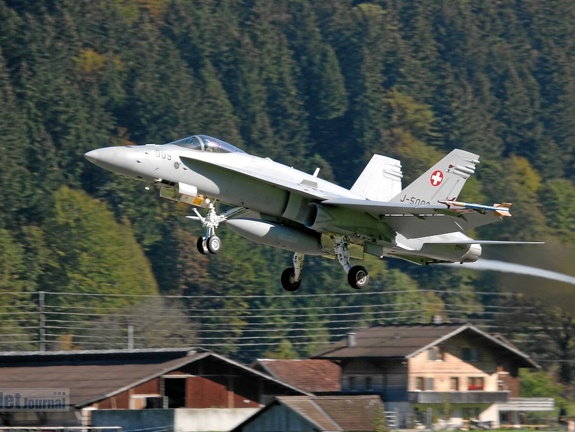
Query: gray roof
x,y
92,376
406,341
329,413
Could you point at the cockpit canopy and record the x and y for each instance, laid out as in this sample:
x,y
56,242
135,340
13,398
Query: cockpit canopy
x,y
207,143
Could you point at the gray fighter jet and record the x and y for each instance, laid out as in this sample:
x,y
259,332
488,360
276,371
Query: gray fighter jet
x,y
280,206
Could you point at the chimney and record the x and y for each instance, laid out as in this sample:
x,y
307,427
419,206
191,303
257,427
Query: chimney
x,y
351,340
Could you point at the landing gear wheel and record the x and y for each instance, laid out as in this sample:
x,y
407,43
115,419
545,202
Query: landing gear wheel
x,y
288,280
214,244
202,247
357,277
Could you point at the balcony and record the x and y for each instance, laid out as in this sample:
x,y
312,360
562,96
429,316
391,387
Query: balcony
x,y
458,397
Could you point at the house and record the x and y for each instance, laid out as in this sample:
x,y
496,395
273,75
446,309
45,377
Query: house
x,y
455,372
316,376
317,413
193,389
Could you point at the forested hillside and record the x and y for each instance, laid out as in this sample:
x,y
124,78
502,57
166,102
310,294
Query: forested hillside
x,y
307,83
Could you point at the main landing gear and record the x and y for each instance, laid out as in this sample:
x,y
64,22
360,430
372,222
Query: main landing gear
x,y
357,276
291,277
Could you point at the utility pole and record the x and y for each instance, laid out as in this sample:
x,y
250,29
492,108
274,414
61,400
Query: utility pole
x,y
421,308
42,305
130,337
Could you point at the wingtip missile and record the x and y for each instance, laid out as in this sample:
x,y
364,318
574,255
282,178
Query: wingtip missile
x,y
501,210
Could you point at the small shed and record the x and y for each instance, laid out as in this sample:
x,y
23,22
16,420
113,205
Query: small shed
x,y
317,413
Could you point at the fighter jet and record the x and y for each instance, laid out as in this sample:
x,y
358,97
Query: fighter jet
x,y
277,205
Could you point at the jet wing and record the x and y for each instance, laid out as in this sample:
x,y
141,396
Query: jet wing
x,y
487,242
307,187
418,221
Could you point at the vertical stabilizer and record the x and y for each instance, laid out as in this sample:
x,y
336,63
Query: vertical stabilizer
x,y
380,180
443,181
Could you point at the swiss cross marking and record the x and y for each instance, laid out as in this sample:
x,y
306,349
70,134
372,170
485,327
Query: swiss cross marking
x,y
436,178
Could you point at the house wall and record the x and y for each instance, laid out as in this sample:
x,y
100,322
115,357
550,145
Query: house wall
x,y
210,419
450,363
222,392
509,382
134,419
122,399
177,420
206,386
278,418
388,378
477,366
34,418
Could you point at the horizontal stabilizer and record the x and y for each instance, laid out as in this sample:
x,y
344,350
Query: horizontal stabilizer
x,y
413,221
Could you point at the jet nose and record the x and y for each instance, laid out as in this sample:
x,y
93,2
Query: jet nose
x,y
120,160
92,156
110,158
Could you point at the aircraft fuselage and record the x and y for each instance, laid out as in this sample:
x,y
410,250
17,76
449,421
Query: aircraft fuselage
x,y
213,174
305,214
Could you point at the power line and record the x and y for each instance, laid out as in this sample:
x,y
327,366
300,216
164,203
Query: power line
x,y
236,326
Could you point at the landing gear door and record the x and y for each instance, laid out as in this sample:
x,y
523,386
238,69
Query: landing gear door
x,y
328,245
185,193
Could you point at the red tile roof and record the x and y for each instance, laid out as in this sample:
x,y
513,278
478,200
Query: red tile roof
x,y
311,375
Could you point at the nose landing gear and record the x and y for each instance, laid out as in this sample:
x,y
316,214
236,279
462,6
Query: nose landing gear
x,y
210,242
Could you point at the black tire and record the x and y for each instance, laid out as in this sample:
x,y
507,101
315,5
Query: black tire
x,y
358,277
201,244
214,244
288,282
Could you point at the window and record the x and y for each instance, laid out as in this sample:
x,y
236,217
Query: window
x,y
475,383
368,383
454,384
470,354
352,383
422,383
419,383
470,413
435,353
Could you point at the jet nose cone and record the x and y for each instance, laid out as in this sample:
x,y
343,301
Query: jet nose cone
x,y
106,157
121,160
92,156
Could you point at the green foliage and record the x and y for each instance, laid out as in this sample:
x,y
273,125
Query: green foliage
x,y
545,332
92,252
12,263
283,351
558,203
308,83
154,323
14,293
543,384
538,384
409,115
